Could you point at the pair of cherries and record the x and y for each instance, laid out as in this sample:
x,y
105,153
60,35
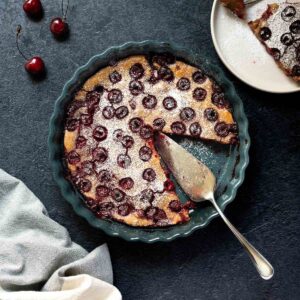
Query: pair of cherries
x,y
58,26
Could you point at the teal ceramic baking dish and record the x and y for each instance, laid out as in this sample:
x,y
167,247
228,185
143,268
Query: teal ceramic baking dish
x,y
227,162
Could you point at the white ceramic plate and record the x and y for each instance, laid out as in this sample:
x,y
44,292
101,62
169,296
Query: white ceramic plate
x,y
243,54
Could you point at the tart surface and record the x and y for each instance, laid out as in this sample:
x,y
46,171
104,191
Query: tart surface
x,y
278,29
109,130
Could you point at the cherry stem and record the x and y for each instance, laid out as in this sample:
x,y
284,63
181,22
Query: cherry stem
x,y
64,15
19,29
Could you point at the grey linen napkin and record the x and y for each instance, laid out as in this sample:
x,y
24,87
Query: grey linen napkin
x,y
35,251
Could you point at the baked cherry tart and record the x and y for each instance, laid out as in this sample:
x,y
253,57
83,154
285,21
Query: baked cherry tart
x,y
110,124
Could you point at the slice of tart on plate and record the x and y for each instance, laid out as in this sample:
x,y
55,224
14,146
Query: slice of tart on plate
x,y
109,130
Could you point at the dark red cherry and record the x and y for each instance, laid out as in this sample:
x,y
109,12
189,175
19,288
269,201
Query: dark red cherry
x,y
169,185
211,114
169,103
115,96
124,161
33,8
72,124
127,141
102,191
296,70
35,66
219,100
80,142
92,101
121,112
287,39
183,84
222,129
175,206
135,124
295,27
288,13
104,210
145,153
124,209
199,77
84,185
149,101
86,168
178,127
115,77
86,119
159,124
136,71
265,33
149,174
108,112
136,87
100,154
59,27
195,129
118,135
150,212
159,215
100,133
199,94
147,196
126,183
117,195
104,176
187,114
73,157
165,74
146,132
275,53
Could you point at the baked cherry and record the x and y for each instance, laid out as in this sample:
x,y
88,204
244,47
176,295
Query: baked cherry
x,y
84,185
149,174
121,112
72,124
124,209
199,77
33,8
187,114
135,124
115,96
100,133
149,101
127,141
115,77
296,70
145,153
136,87
102,191
146,132
104,209
104,176
265,33
288,13
58,26
159,124
169,103
124,161
169,185
275,53
199,94
92,101
126,183
86,168
222,129
165,74
117,195
86,119
100,154
175,206
295,27
159,215
195,129
73,157
118,135
163,59
80,142
150,212
136,71
34,66
147,196
219,100
108,112
178,127
74,106
183,84
287,39
211,114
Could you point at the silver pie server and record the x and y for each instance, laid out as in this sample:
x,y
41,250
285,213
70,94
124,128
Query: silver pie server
x,y
198,182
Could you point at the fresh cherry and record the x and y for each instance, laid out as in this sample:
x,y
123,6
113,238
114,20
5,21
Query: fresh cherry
x,y
34,66
58,26
33,8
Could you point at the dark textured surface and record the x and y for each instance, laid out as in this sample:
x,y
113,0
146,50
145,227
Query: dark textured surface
x,y
210,264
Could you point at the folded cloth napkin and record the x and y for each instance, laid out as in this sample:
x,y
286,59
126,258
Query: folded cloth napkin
x,y
38,260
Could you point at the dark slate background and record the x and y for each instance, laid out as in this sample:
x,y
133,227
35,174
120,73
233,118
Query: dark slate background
x,y
210,264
